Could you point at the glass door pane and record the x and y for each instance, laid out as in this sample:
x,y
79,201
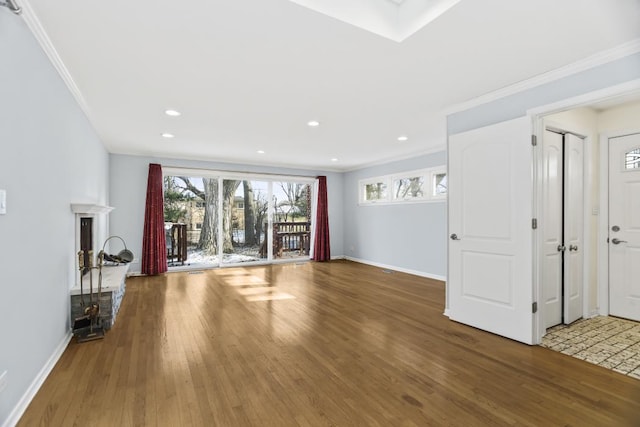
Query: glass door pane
x,y
244,221
191,221
291,220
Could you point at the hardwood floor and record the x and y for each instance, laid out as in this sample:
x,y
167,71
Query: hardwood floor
x,y
341,344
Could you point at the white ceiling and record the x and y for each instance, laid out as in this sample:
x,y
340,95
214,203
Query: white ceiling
x,y
248,75
393,19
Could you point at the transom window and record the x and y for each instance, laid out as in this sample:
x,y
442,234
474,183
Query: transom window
x,y
374,191
425,185
440,184
409,188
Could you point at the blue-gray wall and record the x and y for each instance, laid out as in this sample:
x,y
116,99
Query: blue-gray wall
x,y
408,236
128,176
516,105
50,157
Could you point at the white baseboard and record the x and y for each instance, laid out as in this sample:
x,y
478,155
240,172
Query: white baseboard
x,y
28,396
446,312
400,269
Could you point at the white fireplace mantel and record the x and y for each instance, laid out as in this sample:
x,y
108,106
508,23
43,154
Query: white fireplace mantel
x,y
99,227
87,208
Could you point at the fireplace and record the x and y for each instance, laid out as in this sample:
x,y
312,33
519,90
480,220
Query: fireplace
x,y
86,239
91,230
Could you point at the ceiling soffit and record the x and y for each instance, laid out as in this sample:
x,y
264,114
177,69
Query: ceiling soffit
x,y
392,19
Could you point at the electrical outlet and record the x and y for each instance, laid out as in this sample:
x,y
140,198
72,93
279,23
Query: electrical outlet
x,y
3,381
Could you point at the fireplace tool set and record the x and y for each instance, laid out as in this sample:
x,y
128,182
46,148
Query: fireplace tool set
x,y
86,326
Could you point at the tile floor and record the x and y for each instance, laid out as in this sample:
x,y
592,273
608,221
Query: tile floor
x,y
606,341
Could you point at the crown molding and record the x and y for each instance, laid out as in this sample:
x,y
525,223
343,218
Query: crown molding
x,y
626,49
432,150
41,36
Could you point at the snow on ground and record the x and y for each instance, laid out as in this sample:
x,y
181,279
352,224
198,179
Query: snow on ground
x,y
199,257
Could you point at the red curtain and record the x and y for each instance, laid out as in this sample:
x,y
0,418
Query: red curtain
x,y
321,250
154,245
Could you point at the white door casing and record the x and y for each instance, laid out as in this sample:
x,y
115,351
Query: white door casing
x,y
490,214
624,212
573,227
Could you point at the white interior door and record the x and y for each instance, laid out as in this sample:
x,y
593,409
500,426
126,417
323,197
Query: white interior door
x,y
551,227
490,211
573,227
624,226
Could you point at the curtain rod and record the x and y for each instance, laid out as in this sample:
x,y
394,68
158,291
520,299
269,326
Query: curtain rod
x,y
12,6
222,172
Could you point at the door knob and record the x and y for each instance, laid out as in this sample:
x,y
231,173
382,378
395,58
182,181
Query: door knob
x,y
617,241
454,236
561,248
573,247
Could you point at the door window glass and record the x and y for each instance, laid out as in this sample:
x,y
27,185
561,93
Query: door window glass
x,y
632,159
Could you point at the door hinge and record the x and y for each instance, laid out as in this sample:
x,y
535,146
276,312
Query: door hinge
x,y
534,223
534,140
534,307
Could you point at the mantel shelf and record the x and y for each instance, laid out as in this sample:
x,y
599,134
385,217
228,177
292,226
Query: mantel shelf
x,y
87,208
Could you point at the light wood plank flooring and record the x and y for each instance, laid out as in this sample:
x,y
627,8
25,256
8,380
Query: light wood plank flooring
x,y
340,344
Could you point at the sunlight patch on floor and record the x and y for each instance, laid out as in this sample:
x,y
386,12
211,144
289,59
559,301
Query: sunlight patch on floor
x,y
253,288
272,297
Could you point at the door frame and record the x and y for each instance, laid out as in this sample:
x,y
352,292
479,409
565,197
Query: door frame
x,y
537,114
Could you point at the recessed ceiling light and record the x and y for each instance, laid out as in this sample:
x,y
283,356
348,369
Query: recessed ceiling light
x,y
172,113
334,160
313,123
260,151
403,138
168,135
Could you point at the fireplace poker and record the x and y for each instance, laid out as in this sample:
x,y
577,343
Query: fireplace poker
x,y
84,320
93,310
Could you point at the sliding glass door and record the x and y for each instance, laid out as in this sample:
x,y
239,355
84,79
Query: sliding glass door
x,y
191,214
245,221
291,219
221,218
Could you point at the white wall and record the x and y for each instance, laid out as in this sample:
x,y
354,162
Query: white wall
x,y
410,237
625,117
128,176
50,158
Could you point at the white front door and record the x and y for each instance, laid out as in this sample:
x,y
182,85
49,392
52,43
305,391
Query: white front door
x,y
573,227
490,214
551,227
624,226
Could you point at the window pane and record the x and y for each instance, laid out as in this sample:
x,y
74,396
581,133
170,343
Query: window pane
x,y
191,220
440,184
291,219
244,221
375,191
632,159
408,188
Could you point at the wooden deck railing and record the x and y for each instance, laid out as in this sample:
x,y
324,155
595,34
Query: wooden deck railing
x,y
290,237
